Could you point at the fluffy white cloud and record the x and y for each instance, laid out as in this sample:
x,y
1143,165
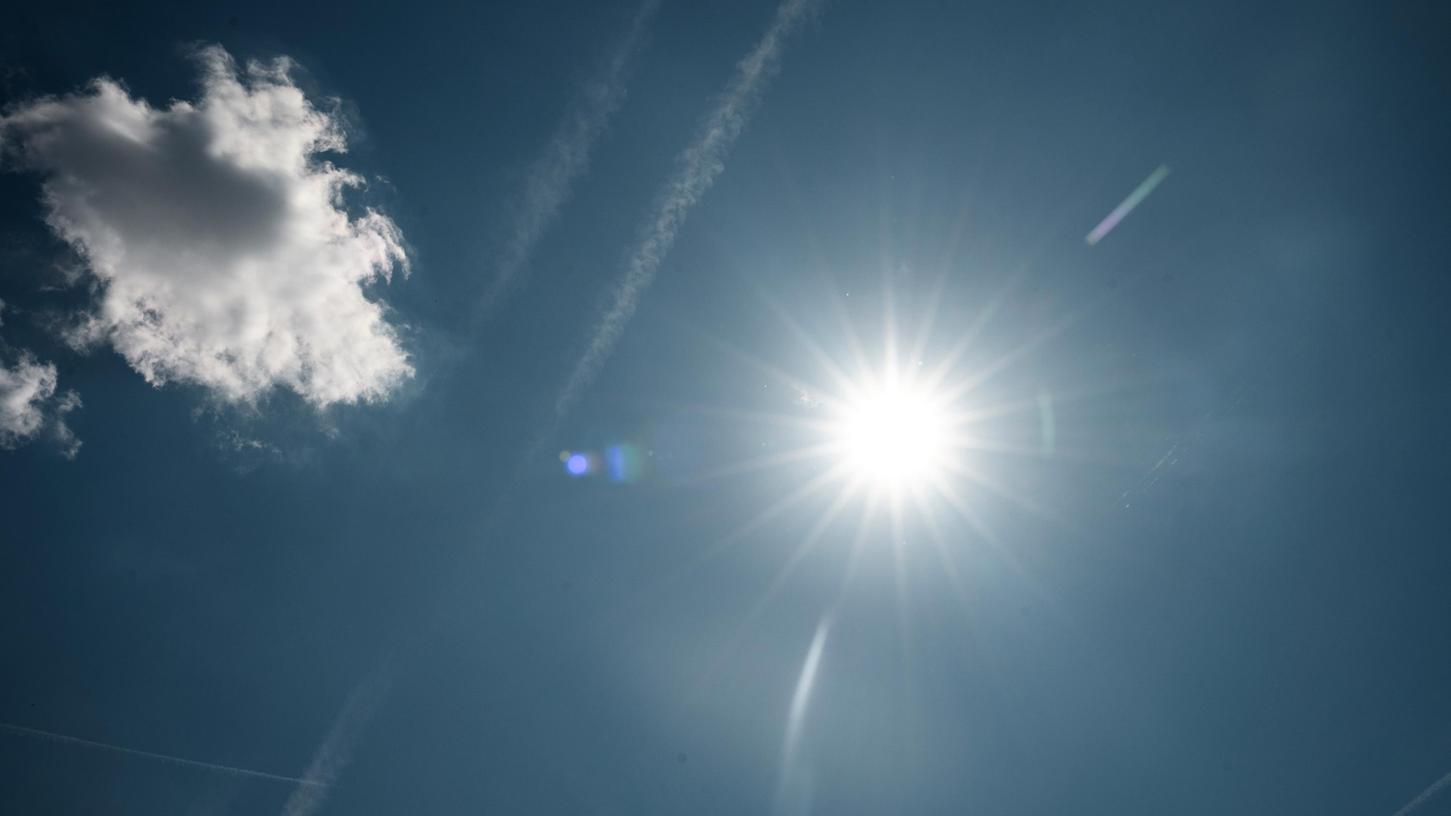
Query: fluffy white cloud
x,y
218,235
28,403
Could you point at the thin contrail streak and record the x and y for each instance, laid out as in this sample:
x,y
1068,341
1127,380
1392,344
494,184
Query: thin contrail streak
x,y
551,178
174,760
696,170
1426,795
1128,204
337,747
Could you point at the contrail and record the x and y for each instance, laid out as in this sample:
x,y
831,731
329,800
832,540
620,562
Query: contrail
x,y
1127,205
1426,795
174,760
696,170
336,750
551,177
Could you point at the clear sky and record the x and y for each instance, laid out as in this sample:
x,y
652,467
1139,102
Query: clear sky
x,y
813,407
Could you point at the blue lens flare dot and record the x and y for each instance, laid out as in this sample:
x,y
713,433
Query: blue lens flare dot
x,y
576,464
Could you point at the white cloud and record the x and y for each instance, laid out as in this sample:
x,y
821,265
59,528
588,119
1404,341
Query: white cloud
x,y
218,236
29,403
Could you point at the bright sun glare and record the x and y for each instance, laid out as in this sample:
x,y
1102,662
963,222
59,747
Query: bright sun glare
x,y
892,436
902,431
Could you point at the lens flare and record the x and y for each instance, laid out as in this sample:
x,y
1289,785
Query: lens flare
x,y
576,464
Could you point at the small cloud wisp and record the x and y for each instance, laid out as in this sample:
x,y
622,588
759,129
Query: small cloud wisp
x,y
29,403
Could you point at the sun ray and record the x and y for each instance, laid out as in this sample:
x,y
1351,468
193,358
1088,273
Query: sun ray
x,y
1009,556
979,527
953,358
778,581
861,360
928,321
756,464
841,380
773,510
808,543
858,543
981,480
944,553
972,382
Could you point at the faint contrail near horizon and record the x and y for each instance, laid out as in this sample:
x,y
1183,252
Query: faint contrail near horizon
x,y
552,175
1426,796
696,170
1128,204
174,760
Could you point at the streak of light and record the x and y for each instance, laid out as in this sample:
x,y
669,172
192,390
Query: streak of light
x,y
793,793
1127,205
805,685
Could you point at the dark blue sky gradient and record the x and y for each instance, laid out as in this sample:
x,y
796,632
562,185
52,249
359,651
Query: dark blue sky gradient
x,y
1257,625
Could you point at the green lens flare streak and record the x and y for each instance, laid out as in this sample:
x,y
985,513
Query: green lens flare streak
x,y
1127,206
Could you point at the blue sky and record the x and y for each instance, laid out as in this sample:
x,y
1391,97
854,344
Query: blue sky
x,y
302,304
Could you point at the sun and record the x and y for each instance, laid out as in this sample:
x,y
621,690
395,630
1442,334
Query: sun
x,y
904,440
892,435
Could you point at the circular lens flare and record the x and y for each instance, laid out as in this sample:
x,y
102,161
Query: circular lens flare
x,y
577,464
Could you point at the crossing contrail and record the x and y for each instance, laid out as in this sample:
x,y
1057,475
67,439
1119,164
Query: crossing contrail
x,y
550,179
174,760
696,170
337,747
